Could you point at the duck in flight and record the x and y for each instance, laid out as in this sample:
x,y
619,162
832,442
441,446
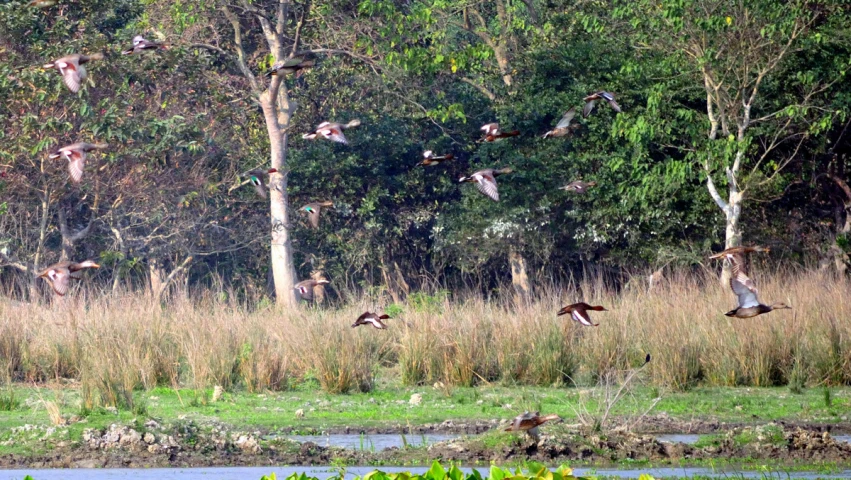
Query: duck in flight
x,y
60,274
591,100
578,186
374,319
429,158
493,132
485,181
72,68
140,44
313,210
76,156
579,313
332,131
743,286
564,127
529,423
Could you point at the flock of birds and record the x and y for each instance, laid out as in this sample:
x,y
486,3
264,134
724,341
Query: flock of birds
x,y
72,69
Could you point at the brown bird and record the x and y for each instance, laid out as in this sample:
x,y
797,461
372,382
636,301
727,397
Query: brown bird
x,y
60,274
429,158
72,70
529,423
76,156
257,177
313,210
492,132
578,186
579,312
742,285
332,131
374,319
563,127
140,44
486,181
591,100
289,66
305,287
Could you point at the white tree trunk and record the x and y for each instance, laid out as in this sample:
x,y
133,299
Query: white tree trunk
x,y
277,113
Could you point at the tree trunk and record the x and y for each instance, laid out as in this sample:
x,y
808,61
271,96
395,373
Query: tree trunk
x,y
157,277
277,122
519,277
733,232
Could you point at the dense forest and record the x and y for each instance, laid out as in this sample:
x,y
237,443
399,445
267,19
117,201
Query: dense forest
x,y
734,129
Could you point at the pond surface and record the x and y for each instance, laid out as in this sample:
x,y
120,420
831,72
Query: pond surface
x,y
254,473
691,439
376,442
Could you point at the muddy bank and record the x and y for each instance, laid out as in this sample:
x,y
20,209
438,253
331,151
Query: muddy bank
x,y
190,445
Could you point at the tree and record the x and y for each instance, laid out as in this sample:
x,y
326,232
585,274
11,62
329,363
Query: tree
x,y
736,51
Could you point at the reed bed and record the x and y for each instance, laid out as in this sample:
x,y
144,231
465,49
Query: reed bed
x,y
118,345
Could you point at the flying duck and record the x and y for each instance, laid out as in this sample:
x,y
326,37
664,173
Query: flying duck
x,y
332,131
140,44
72,70
257,178
591,100
579,313
60,274
578,186
313,210
429,158
305,287
563,127
486,181
289,66
529,423
374,319
742,285
492,132
76,156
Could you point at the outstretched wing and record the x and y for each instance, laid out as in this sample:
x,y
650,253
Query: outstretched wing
x,y
582,317
70,76
76,165
567,118
259,187
313,216
334,134
589,106
741,284
614,105
59,280
487,185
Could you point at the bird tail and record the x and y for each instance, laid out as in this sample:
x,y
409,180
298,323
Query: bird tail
x,y
326,203
512,134
54,155
384,317
592,184
49,65
101,146
448,156
550,417
761,249
309,136
129,51
353,123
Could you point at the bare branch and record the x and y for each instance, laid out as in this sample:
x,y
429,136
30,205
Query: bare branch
x,y
240,52
713,192
8,262
212,48
481,88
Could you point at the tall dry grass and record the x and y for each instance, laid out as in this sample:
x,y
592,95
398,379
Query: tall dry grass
x,y
116,345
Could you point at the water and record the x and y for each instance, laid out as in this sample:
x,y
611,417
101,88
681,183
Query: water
x,y
687,438
254,473
691,439
376,442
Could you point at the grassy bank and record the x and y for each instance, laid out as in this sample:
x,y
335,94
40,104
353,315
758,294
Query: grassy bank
x,y
117,347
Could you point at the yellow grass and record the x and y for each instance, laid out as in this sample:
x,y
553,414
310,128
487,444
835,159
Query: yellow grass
x,y
117,344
